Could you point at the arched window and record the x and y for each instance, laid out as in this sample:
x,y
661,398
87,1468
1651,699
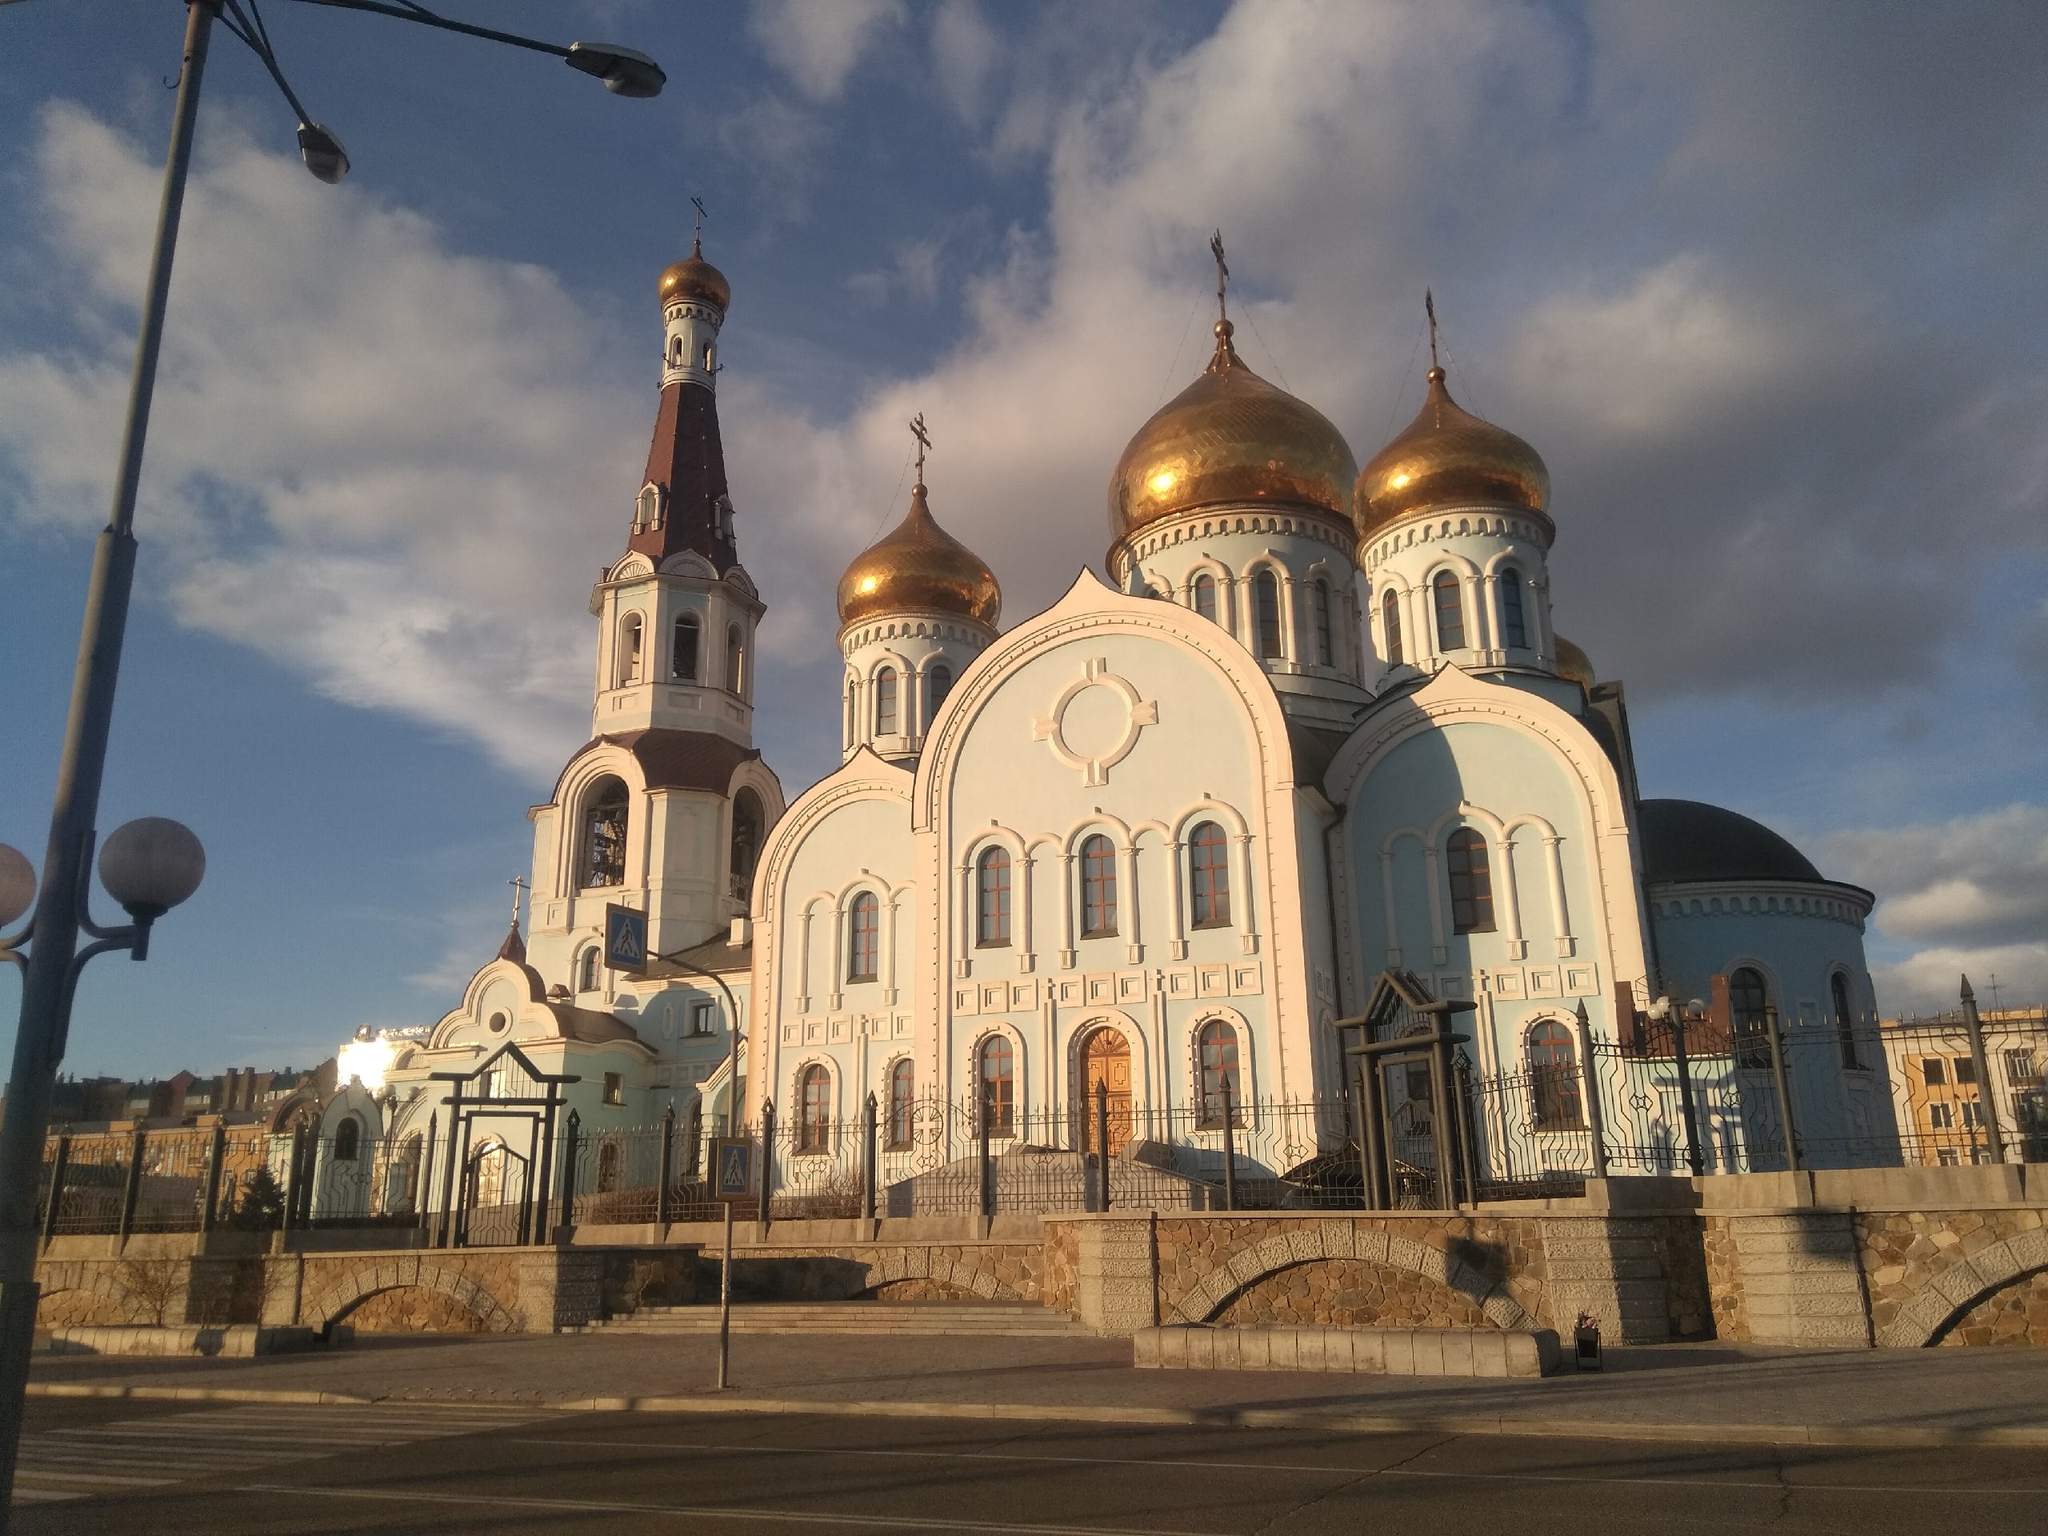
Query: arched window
x,y
602,858
1205,597
1216,1050
1554,1078
1266,614
708,368
1209,875
885,702
629,650
999,1085
863,936
938,682
902,1096
348,1140
992,892
586,970
682,663
1471,882
735,659
1098,887
1845,1021
1390,624
647,510
1319,607
1749,1002
1450,612
746,842
1513,628
814,1109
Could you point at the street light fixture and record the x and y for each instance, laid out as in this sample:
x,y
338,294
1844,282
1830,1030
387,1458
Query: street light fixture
x,y
150,865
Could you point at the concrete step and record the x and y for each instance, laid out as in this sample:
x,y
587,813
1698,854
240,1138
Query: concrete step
x,y
854,1317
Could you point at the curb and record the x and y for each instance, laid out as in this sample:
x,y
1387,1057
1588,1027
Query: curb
x,y
1865,1435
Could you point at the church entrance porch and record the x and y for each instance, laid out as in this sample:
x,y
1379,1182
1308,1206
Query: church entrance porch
x,y
1106,1068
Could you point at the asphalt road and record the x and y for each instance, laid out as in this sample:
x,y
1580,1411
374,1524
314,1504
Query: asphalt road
x,y
115,1467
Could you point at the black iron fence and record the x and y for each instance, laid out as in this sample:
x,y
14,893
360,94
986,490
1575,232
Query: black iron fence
x,y
1667,1099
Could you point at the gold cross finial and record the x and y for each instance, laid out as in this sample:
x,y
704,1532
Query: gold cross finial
x,y
1429,308
697,227
1222,275
519,889
924,443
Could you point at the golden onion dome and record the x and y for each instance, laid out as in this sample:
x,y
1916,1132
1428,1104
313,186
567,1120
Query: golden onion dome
x,y
695,278
1573,664
918,567
1447,455
1230,437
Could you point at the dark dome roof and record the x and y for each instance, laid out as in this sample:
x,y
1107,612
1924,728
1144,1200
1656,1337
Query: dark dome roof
x,y
1690,840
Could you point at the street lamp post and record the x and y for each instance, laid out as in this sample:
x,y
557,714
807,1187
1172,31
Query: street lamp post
x,y
150,865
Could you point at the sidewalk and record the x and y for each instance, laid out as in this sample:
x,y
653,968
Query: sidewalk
x,y
1719,1392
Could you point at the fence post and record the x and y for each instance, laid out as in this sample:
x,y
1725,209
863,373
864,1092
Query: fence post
x,y
1229,1145
216,1154
1987,1101
868,1175
668,1154
1778,1076
767,1163
131,1187
1596,1114
1102,1145
1688,1115
291,1177
423,1175
988,1188
1369,1114
569,1139
1468,1146
58,1168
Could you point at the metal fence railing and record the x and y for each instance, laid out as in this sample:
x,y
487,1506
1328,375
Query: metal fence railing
x,y
1669,1098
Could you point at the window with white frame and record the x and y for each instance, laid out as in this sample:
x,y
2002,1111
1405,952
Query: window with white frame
x,y
863,936
1209,876
1098,887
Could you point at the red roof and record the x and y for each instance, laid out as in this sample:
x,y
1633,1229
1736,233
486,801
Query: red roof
x,y
687,460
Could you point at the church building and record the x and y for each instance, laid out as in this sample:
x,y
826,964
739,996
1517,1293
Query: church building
x,y
1304,724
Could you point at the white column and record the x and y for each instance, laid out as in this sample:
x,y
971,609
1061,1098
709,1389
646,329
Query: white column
x,y
1248,924
1133,935
963,926
1439,950
1565,942
837,991
803,963
1177,853
889,951
1067,954
1510,901
1026,957
1488,593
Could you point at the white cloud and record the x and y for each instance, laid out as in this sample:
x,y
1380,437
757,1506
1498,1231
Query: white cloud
x,y
913,273
382,461
782,146
964,52
819,43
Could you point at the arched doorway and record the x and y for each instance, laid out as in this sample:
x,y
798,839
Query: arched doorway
x,y
1106,1061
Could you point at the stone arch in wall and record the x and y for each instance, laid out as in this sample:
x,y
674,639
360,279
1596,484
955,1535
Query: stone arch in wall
x,y
340,1289
1949,1294
1210,1295
911,1271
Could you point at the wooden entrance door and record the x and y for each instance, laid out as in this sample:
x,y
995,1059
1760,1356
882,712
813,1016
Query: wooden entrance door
x,y
1106,1060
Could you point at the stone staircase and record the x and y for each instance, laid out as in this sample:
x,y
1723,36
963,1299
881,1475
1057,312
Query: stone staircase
x,y
912,1319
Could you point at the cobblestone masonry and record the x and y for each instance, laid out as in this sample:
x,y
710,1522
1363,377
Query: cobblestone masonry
x,y
1350,1293
1924,1267
981,1271
2015,1315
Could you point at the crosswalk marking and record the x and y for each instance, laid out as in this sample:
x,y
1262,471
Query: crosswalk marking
x,y
83,1461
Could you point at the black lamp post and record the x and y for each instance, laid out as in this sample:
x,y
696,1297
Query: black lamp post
x,y
150,865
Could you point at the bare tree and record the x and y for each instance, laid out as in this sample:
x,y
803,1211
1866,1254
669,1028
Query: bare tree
x,y
152,1286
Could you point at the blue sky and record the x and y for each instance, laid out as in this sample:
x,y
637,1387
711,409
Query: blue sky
x,y
1761,286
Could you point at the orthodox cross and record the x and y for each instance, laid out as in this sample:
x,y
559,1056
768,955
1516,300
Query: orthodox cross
x,y
924,443
697,229
519,888
1429,308
1222,274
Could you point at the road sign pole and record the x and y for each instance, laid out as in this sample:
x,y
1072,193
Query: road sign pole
x,y
725,1306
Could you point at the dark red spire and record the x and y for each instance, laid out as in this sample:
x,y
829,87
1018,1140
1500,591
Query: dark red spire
x,y
687,461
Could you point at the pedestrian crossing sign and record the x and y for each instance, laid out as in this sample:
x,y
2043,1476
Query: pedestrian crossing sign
x,y
732,1168
625,938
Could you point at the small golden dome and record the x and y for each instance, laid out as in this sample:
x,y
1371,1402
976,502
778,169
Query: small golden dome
x,y
1573,664
1230,437
918,567
1447,455
695,278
